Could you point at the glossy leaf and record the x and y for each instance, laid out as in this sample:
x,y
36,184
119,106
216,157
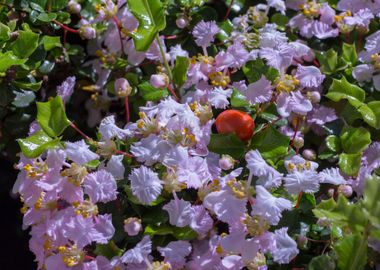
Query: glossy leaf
x,y
151,93
355,140
36,144
323,262
180,70
51,42
51,116
342,89
333,143
151,17
352,252
271,143
25,44
350,163
8,59
349,53
228,144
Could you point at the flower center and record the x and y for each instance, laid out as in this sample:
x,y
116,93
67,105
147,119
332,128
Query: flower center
x,y
287,84
36,170
86,209
219,79
310,9
375,59
75,174
71,256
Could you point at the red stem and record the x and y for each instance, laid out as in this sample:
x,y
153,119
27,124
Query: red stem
x,y
316,63
170,37
172,92
299,199
65,27
124,153
80,132
295,132
118,25
229,10
127,113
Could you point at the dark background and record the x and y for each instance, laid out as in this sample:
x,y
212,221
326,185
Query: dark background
x,y
14,247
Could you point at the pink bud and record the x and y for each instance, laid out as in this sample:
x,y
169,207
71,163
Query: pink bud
x,y
331,192
301,240
132,226
315,97
298,142
87,32
309,154
122,87
159,80
181,22
346,190
226,162
74,7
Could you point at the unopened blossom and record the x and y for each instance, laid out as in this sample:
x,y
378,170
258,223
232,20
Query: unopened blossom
x,y
132,226
122,87
145,184
159,80
87,32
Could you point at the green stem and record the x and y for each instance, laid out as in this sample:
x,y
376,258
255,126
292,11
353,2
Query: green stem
x,y
164,58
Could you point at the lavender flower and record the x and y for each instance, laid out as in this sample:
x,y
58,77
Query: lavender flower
x,y
204,33
145,184
66,89
100,186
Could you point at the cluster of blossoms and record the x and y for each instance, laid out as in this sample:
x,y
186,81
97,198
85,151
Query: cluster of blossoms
x,y
234,206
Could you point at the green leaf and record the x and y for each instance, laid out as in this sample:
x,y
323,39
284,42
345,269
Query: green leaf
x,y
355,140
36,144
374,106
108,250
57,5
271,143
238,99
4,32
46,17
253,70
180,70
35,86
333,143
184,233
350,163
342,89
51,42
51,116
228,144
25,44
151,17
151,93
330,63
371,200
352,252
279,19
349,53
8,59
322,262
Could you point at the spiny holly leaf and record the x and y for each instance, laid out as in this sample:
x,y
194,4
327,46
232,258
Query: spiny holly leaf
x,y
151,17
36,144
51,116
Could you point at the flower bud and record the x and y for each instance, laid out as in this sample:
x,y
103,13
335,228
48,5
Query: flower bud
x,y
346,190
309,154
182,22
226,162
87,32
132,226
331,192
74,7
122,87
315,96
302,240
159,80
298,142
324,222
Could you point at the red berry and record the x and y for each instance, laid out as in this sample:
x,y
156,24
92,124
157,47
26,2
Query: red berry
x,y
234,121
